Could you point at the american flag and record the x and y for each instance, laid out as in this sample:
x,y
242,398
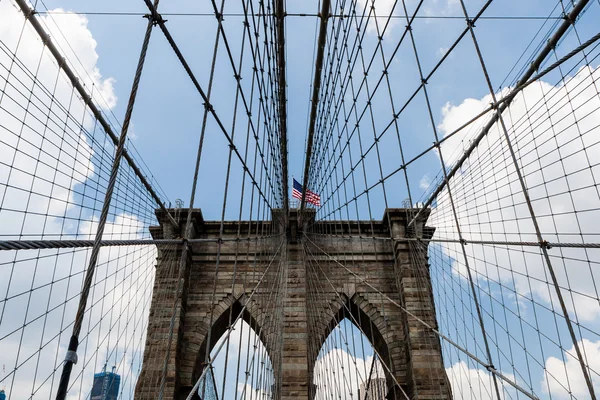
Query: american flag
x,y
311,197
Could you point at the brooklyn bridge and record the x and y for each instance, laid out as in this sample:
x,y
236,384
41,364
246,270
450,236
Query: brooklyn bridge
x,y
370,199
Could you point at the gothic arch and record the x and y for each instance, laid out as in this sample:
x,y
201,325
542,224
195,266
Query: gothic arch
x,y
196,340
370,321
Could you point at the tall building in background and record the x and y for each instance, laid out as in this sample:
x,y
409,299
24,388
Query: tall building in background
x,y
376,391
106,385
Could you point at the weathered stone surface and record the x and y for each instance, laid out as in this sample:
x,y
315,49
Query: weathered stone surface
x,y
360,270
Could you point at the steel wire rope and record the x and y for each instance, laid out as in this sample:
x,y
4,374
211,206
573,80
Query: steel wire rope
x,y
207,356
30,16
74,341
238,234
430,74
523,82
439,334
68,299
578,6
360,51
502,101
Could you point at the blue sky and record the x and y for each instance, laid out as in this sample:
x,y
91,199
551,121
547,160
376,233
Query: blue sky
x,y
168,112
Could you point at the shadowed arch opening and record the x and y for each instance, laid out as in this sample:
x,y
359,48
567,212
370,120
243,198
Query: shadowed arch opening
x,y
241,366
349,363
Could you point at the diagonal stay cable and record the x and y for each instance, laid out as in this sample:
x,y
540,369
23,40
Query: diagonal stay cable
x,y
161,23
30,15
521,84
488,367
315,98
71,356
185,251
493,106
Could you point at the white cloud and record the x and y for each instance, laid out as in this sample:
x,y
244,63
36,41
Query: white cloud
x,y
46,153
442,8
246,353
555,147
425,182
117,305
382,9
44,147
247,392
476,383
70,33
338,374
562,377
442,51
554,131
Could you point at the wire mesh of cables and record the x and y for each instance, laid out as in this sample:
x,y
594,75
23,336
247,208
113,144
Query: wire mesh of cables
x,y
511,205
88,243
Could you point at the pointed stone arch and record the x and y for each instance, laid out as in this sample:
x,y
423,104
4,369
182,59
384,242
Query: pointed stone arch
x,y
384,337
220,326
195,338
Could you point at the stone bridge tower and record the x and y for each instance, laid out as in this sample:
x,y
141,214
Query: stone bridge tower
x,y
350,259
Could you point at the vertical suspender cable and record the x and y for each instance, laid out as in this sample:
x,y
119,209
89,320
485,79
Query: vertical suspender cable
x,y
534,219
87,99
521,84
280,17
315,97
71,357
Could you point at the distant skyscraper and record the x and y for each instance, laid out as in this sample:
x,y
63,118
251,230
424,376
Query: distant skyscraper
x,y
377,390
106,385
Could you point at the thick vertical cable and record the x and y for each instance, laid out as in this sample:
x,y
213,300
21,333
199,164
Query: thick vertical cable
x,y
71,357
280,17
87,99
315,97
584,369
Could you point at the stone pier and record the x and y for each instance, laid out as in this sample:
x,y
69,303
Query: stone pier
x,y
298,305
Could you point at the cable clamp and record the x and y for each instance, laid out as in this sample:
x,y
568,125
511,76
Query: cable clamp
x,y
568,18
46,39
155,18
544,244
29,13
208,106
463,241
470,23
71,357
490,368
